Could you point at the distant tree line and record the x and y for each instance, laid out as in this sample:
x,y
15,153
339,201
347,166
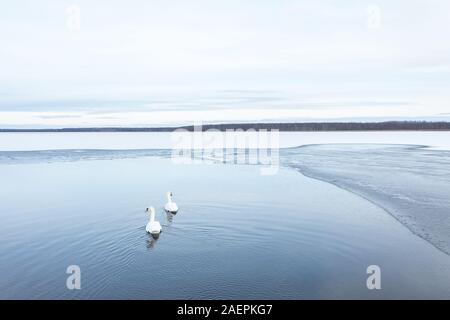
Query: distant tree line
x,y
335,126
298,126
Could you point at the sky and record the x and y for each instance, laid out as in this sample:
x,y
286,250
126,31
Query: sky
x,y
149,63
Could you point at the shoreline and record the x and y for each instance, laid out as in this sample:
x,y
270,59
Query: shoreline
x,y
374,202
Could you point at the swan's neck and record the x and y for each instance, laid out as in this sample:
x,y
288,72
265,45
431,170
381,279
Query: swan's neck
x,y
152,216
169,198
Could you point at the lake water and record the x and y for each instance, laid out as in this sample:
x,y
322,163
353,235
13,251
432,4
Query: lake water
x,y
238,234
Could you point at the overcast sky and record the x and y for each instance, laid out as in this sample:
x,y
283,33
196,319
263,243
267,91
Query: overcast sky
x,y
104,62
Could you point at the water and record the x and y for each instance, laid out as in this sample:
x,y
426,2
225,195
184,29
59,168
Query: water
x,y
238,234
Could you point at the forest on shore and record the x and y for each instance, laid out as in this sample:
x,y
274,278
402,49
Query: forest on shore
x,y
297,126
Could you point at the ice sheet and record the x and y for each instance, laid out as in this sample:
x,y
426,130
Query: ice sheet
x,y
412,183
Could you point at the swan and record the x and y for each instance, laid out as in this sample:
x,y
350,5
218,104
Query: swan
x,y
153,226
170,206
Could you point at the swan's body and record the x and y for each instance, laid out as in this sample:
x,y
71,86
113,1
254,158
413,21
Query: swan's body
x,y
153,226
170,205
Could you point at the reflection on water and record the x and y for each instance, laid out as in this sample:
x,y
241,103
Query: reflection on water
x,y
240,235
151,241
169,216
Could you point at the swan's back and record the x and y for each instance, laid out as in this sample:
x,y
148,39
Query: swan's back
x,y
157,225
153,227
171,207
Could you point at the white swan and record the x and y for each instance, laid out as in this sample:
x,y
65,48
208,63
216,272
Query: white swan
x,y
170,206
153,226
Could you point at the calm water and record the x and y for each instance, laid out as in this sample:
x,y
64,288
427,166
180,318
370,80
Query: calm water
x,y
237,235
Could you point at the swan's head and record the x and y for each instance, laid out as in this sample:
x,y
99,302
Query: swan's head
x,y
150,210
169,194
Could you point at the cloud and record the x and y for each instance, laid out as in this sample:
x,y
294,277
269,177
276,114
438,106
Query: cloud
x,y
146,50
